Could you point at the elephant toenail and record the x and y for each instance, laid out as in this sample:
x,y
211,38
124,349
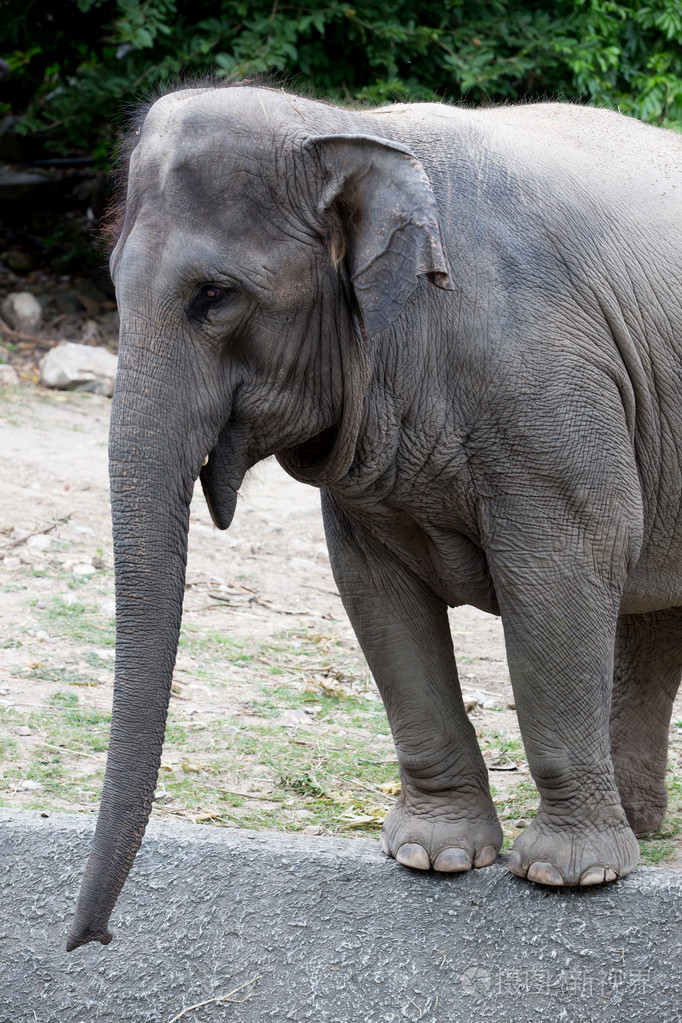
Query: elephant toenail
x,y
452,861
385,846
415,856
610,874
514,864
545,873
593,875
487,855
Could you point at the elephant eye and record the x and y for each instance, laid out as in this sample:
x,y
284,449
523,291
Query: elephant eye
x,y
208,296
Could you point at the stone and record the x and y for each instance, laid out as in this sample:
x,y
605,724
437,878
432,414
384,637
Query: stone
x,y
111,318
484,701
32,558
68,304
18,184
90,331
83,569
8,378
19,262
91,305
72,367
42,542
22,311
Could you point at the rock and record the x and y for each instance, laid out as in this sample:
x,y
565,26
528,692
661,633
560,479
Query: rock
x,y
29,786
486,702
22,730
71,367
313,829
68,303
8,378
16,185
32,558
90,331
83,569
161,796
18,261
111,319
91,306
469,702
42,542
22,311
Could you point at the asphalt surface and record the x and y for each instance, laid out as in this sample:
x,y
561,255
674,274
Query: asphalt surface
x,y
326,931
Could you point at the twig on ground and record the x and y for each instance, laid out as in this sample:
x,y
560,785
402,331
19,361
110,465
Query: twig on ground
x,y
250,795
221,998
65,749
38,532
18,335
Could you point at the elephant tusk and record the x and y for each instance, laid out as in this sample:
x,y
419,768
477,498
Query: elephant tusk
x,y
205,461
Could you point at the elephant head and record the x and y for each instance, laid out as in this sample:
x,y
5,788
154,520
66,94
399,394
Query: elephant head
x,y
256,262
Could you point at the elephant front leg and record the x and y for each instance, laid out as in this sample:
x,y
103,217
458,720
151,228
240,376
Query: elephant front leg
x,y
646,677
559,630
444,817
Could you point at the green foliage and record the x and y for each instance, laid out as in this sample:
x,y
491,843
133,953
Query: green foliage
x,y
77,63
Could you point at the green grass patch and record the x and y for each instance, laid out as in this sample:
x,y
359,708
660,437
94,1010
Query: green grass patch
x,y
657,847
76,621
61,755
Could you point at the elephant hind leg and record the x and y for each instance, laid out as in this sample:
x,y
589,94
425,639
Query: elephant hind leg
x,y
647,669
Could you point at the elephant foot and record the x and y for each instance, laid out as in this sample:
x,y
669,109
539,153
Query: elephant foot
x,y
442,832
644,798
588,853
644,817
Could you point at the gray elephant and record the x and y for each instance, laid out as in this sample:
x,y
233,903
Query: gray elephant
x,y
465,327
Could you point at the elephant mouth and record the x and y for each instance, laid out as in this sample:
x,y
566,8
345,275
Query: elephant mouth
x,y
314,452
223,470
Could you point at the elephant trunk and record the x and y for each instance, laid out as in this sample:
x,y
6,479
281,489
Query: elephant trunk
x,y
151,487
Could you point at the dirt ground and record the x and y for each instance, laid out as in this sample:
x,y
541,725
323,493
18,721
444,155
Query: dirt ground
x,y
268,576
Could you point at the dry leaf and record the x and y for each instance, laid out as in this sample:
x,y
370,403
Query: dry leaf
x,y
391,788
373,817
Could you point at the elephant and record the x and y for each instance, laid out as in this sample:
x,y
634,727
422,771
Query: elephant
x,y
464,326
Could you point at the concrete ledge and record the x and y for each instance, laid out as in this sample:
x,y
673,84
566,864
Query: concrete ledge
x,y
334,931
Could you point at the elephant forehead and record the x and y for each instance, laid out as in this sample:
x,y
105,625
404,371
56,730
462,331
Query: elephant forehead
x,y
211,136
200,168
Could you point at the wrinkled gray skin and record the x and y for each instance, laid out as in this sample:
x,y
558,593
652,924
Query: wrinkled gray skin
x,y
465,327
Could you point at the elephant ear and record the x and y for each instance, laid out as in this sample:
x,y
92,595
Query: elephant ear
x,y
379,196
